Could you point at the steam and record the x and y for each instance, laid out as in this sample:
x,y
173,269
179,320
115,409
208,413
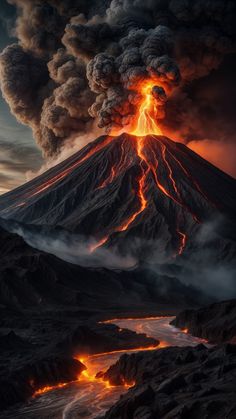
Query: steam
x,y
74,248
204,267
79,63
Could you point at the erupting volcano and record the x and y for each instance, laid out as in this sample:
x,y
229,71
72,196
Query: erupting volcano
x,y
146,120
133,185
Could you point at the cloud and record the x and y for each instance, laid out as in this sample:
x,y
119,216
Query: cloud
x,y
15,161
82,61
74,248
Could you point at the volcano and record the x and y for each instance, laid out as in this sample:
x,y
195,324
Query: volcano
x,y
129,191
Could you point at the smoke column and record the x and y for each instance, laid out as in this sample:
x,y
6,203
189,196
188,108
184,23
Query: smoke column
x,y
80,63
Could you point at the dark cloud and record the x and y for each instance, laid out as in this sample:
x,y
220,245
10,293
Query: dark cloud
x,y
77,61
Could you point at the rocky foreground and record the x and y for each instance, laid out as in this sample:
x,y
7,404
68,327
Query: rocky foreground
x,y
40,351
216,323
47,316
187,382
177,383
49,312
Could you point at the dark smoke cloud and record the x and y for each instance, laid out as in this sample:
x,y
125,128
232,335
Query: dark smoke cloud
x,y
78,61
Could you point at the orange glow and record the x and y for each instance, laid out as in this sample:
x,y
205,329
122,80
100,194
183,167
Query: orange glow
x,y
131,318
184,330
143,202
46,389
144,124
145,121
183,239
90,374
98,244
121,351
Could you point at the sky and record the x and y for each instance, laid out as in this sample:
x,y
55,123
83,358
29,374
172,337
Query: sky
x,y
18,152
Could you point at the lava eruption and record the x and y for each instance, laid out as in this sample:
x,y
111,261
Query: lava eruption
x,y
114,186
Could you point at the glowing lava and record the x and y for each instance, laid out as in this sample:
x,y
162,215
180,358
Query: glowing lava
x,y
143,202
145,122
46,389
158,327
144,125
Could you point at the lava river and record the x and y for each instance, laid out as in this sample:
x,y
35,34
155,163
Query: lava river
x,y
90,397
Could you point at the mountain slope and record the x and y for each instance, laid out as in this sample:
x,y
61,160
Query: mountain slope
x,y
30,278
129,187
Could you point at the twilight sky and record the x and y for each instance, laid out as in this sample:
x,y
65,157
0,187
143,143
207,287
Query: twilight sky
x,y
18,152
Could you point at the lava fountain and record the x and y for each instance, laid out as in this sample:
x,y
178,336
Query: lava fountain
x,y
145,123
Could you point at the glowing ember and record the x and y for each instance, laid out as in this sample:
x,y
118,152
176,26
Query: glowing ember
x,y
46,389
145,122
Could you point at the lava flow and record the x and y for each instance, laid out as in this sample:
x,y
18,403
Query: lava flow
x,y
46,389
156,327
156,165
145,124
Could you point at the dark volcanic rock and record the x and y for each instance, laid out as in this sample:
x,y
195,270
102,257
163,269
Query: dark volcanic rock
x,y
176,383
216,323
38,336
80,196
30,278
21,384
98,338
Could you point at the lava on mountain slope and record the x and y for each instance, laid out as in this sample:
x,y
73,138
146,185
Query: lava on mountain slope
x,y
142,159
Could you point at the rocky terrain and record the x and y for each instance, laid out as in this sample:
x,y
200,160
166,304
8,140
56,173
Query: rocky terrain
x,y
32,278
38,349
216,323
177,383
49,311
50,308
96,192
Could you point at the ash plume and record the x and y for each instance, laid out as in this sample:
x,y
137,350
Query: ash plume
x,y
78,62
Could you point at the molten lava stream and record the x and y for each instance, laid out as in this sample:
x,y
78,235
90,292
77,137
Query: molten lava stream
x,y
90,393
46,389
140,193
146,124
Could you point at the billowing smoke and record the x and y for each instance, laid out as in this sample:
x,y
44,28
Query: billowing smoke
x,y
81,61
